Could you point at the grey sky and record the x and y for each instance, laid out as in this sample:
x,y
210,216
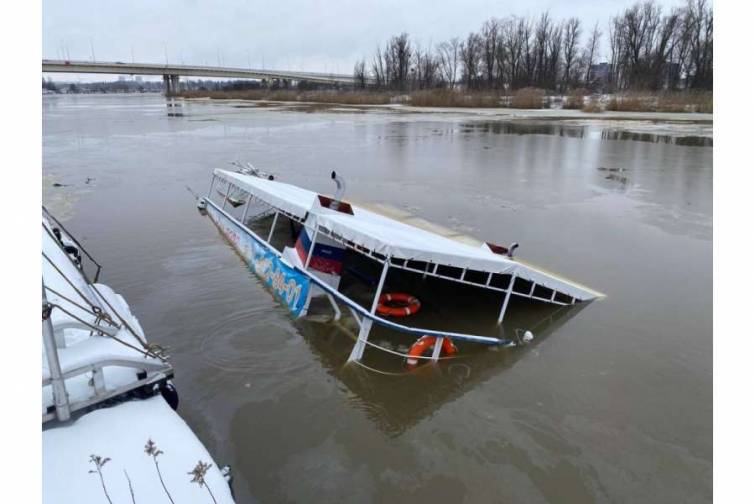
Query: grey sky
x,y
285,34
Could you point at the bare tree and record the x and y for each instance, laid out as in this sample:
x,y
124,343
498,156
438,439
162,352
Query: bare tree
x,y
489,45
700,66
398,55
515,45
360,74
448,54
572,31
470,60
378,69
648,48
591,51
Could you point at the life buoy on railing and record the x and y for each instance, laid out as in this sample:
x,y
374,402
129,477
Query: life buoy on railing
x,y
398,304
425,343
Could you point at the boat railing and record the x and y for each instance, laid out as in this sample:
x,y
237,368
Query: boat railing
x,y
149,373
94,312
83,253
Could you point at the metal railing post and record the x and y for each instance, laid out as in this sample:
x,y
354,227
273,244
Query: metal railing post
x,y
246,210
311,245
59,393
366,326
212,183
272,228
506,299
227,194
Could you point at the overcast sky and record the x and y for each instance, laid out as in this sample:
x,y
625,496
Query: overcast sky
x,y
327,36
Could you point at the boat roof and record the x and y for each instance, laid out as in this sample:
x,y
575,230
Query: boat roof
x,y
400,236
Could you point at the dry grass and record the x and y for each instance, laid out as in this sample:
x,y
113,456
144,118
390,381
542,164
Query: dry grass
x,y
449,98
631,102
528,98
690,101
592,106
575,100
675,101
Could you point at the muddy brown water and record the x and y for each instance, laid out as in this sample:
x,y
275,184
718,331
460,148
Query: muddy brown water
x,y
612,402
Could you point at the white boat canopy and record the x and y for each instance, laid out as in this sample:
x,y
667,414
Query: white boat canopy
x,y
396,239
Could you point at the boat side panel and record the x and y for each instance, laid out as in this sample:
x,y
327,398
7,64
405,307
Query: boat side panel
x,y
288,285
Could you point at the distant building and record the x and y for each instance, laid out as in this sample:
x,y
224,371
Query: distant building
x,y
122,78
138,78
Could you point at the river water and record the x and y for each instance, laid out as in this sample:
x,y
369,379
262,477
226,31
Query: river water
x,y
612,402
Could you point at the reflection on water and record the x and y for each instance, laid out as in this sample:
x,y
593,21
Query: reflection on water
x,y
525,128
395,398
612,403
691,141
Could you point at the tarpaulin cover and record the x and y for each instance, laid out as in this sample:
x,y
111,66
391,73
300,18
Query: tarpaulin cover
x,y
391,237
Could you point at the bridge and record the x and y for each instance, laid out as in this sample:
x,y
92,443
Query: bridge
x,y
171,73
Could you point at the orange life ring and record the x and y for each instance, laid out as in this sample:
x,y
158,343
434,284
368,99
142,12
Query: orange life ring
x,y
425,343
398,304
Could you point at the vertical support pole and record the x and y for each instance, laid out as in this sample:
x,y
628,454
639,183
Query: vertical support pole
x,y
212,183
381,282
336,309
437,347
227,193
98,381
166,84
59,394
272,228
427,267
506,299
311,245
364,331
246,210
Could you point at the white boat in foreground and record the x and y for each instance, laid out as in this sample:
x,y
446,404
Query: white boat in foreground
x,y
316,246
108,431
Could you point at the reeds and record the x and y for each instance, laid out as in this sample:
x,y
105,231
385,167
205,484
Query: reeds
x,y
451,98
671,101
528,98
525,98
575,100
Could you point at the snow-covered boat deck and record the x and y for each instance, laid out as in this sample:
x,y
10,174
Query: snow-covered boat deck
x,y
120,434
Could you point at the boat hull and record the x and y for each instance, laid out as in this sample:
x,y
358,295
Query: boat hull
x,y
289,286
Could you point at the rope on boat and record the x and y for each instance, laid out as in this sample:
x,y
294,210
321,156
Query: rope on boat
x,y
394,352
387,373
152,348
95,310
388,350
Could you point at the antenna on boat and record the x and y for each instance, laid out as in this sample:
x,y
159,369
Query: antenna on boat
x,y
340,189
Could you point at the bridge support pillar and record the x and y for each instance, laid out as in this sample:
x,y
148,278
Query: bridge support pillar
x,y
171,84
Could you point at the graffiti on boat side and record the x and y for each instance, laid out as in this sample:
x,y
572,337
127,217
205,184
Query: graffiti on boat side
x,y
289,286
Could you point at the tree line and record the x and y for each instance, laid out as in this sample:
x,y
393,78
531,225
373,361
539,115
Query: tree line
x,y
647,48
